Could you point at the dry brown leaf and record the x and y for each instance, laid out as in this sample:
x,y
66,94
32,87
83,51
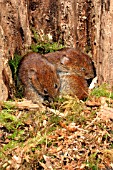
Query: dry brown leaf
x,y
60,132
55,150
69,167
43,165
63,125
56,112
93,103
108,154
17,159
101,166
53,136
104,101
52,150
92,122
48,162
59,148
105,113
72,127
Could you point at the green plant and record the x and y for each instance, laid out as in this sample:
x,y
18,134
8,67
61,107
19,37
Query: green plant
x,y
10,121
14,63
102,90
12,144
43,44
93,161
54,119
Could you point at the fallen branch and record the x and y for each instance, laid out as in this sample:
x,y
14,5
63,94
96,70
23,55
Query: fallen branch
x,y
23,105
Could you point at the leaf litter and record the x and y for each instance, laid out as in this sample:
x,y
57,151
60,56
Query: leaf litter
x,y
69,134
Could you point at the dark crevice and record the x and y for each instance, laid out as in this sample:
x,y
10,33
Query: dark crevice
x,y
22,33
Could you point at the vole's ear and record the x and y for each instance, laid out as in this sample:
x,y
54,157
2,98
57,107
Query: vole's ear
x,y
31,73
64,60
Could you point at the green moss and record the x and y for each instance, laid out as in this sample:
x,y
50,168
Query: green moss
x,y
93,161
111,146
14,63
54,119
46,47
102,90
10,121
12,144
43,44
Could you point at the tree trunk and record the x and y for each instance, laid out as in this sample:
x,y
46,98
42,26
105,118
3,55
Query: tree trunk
x,y
15,37
84,24
66,21
103,40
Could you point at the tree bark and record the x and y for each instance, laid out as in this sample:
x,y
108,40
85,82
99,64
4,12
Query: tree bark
x,y
104,41
15,37
66,21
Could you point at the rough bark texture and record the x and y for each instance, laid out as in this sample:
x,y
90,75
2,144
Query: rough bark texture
x,y
14,38
104,40
85,24
67,21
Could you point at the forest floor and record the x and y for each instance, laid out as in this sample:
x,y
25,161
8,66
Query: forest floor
x,y
68,134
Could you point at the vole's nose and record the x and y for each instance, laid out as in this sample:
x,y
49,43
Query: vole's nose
x,y
46,97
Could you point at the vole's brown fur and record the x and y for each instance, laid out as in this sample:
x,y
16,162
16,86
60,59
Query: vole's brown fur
x,y
60,72
74,68
74,85
39,77
70,59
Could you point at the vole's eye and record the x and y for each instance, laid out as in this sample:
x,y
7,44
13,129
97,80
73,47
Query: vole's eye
x,y
83,69
55,86
45,91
